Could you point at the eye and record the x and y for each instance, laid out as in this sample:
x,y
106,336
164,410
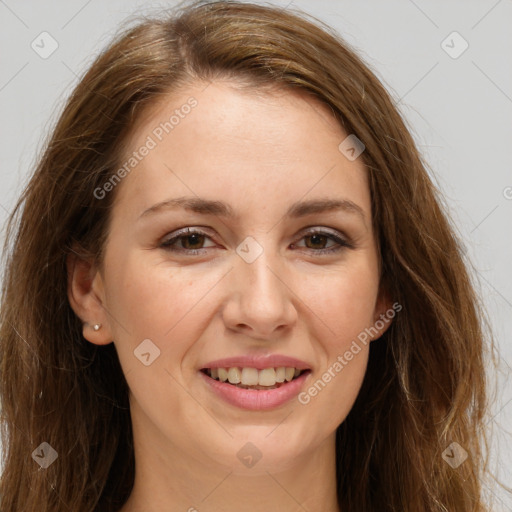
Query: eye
x,y
318,238
192,240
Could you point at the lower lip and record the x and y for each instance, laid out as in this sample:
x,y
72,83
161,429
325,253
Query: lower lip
x,y
257,399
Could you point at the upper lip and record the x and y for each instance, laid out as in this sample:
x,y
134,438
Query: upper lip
x,y
259,362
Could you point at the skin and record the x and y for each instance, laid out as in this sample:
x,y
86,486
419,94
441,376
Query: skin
x,y
259,153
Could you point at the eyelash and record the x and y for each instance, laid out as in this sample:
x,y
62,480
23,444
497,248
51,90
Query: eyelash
x,y
167,244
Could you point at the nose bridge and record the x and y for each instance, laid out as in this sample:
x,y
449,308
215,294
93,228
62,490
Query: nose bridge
x,y
259,279
262,301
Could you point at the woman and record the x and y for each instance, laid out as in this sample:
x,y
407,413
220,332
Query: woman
x,y
231,286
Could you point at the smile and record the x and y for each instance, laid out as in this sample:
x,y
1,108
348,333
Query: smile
x,y
252,378
255,390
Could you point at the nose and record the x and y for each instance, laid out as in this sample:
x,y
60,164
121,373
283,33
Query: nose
x,y
260,303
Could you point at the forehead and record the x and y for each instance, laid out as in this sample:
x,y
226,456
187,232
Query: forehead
x,y
217,141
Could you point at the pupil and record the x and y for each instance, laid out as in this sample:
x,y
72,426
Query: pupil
x,y
194,235
321,237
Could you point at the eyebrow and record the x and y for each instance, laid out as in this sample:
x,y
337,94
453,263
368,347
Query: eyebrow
x,y
218,208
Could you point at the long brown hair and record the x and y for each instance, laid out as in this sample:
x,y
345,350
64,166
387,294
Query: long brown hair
x,y
425,384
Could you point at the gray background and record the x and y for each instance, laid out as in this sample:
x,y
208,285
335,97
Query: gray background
x,y
459,110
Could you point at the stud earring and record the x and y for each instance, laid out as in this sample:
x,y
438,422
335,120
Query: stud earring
x,y
96,327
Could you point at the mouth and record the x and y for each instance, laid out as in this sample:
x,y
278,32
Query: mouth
x,y
256,382
254,378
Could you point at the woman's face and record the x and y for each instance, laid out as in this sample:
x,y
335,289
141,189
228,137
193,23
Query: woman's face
x,y
250,286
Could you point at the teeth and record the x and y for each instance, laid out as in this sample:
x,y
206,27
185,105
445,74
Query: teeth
x,y
234,376
249,376
280,374
252,378
267,377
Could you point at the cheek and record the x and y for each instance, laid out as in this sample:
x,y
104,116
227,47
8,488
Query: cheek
x,y
344,305
329,396
148,296
343,301
165,304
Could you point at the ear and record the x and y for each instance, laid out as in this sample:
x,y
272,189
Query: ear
x,y
383,314
86,296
